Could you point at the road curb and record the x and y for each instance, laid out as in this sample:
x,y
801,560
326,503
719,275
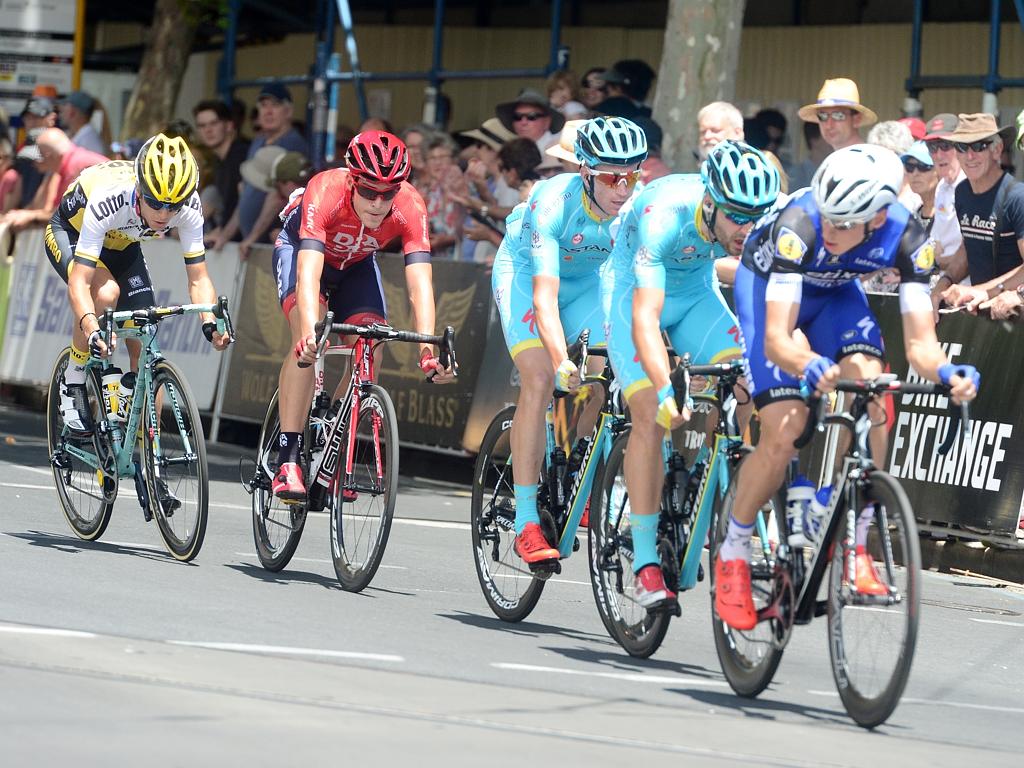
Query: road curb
x,y
949,555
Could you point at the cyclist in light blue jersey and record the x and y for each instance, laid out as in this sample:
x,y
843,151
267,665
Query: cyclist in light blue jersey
x,y
546,286
661,277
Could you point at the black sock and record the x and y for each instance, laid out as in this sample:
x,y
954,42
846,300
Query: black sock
x,y
289,447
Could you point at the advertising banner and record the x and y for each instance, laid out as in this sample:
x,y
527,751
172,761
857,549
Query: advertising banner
x,y
37,41
39,318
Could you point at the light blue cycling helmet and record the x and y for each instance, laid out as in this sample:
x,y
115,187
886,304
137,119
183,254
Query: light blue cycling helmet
x,y
739,178
610,141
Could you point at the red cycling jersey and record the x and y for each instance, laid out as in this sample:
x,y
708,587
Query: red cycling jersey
x,y
322,219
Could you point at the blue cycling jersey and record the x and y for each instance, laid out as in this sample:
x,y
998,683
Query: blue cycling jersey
x,y
560,235
660,238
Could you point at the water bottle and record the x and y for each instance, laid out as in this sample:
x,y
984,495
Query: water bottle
x,y
798,502
815,517
111,385
125,389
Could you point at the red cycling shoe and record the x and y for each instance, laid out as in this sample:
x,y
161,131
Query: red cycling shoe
x,y
288,485
734,603
533,547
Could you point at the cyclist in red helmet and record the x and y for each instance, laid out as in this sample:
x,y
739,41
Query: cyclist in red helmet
x,y
325,258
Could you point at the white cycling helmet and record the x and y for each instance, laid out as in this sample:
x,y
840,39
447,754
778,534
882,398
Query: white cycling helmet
x,y
855,183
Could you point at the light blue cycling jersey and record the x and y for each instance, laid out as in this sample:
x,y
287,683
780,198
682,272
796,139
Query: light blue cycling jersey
x,y
660,245
555,233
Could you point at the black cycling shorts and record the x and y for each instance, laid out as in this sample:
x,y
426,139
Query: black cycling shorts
x,y
128,267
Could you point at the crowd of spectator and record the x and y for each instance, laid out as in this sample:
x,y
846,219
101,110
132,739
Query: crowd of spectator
x,y
958,180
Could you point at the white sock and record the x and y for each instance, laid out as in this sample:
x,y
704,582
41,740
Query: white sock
x,y
864,520
737,545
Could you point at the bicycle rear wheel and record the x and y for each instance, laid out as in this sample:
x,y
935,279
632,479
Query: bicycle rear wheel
x,y
176,469
364,504
86,494
637,630
510,589
749,658
872,638
276,526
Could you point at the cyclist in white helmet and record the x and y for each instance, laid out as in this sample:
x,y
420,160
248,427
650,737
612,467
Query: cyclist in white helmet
x,y
800,269
546,286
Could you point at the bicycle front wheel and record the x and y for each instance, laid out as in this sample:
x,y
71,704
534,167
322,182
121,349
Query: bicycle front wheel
x,y
176,470
276,526
872,634
364,503
749,658
510,589
85,492
631,625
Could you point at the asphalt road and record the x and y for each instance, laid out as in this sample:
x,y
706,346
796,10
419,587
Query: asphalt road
x,y
112,653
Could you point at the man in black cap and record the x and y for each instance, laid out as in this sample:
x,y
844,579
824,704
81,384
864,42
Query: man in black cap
x,y
530,116
627,83
275,114
76,114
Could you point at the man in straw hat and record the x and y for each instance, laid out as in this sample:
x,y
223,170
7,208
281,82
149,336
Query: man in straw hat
x,y
839,113
990,200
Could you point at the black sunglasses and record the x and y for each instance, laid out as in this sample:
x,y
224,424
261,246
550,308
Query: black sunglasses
x,y
159,205
910,166
531,116
939,145
369,193
975,146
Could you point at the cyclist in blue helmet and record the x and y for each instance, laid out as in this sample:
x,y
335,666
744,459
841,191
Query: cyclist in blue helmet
x,y
545,280
662,279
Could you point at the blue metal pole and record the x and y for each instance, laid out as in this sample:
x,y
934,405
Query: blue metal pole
x,y
345,15
556,34
991,80
331,138
433,91
915,45
226,70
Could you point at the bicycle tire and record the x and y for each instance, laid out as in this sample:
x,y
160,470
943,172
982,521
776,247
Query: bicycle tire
x,y
270,515
872,708
638,631
350,530
78,485
182,529
499,569
750,658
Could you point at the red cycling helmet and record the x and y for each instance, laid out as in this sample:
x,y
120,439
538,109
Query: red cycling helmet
x,y
378,156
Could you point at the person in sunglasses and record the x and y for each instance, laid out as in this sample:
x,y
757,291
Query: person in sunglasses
x,y
530,116
839,113
661,279
990,199
546,285
325,258
800,270
94,239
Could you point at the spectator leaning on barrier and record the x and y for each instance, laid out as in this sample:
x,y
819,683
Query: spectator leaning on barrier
x,y
39,113
717,122
76,110
10,179
446,188
839,113
990,206
63,161
289,175
275,118
217,133
530,116
919,173
945,226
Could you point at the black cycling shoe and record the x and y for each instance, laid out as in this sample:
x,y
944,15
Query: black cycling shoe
x,y
169,503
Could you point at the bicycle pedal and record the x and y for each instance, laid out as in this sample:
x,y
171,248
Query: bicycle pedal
x,y
545,569
700,572
669,606
576,544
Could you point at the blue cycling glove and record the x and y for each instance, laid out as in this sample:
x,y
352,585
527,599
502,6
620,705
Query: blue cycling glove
x,y
815,369
949,370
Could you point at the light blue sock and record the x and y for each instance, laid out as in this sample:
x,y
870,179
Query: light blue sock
x,y
526,506
645,540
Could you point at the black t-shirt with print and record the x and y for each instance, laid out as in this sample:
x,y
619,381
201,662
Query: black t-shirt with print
x,y
977,222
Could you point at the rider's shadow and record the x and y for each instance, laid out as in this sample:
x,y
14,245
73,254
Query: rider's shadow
x,y
288,576
767,709
622,662
524,628
73,545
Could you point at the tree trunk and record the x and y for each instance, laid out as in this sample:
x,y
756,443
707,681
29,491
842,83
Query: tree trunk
x,y
168,46
698,66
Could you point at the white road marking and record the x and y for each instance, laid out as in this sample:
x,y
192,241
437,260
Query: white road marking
x,y
939,703
27,486
633,678
1001,623
46,631
289,651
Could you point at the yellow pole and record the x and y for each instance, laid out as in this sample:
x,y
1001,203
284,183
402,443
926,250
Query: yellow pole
x,y
79,54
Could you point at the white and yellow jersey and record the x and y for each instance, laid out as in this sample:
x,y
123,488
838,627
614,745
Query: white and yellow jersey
x,y
102,206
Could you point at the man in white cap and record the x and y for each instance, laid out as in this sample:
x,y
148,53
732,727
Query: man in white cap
x,y
991,211
839,113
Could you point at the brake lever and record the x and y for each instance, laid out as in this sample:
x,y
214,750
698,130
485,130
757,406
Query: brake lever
x,y
323,333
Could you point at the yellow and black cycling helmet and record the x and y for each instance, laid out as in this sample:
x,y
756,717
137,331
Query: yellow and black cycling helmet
x,y
166,172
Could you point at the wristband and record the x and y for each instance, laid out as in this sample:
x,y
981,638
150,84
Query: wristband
x,y
83,318
666,391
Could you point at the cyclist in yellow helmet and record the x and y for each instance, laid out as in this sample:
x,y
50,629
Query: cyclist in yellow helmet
x,y
94,242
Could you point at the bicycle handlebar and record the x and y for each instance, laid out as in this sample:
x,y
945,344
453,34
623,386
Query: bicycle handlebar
x,y
680,376
959,414
155,315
